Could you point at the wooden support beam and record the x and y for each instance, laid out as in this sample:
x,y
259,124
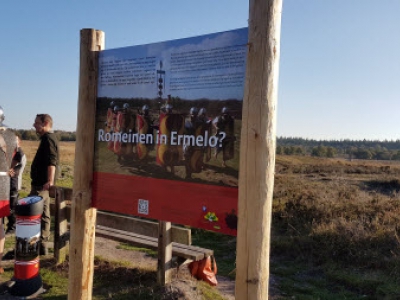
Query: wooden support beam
x,y
164,267
141,226
83,216
61,244
180,250
67,192
257,150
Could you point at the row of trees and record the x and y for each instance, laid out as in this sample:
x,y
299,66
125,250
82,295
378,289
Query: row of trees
x,y
340,145
320,151
30,135
348,149
371,153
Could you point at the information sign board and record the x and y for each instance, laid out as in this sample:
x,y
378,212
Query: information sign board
x,y
168,124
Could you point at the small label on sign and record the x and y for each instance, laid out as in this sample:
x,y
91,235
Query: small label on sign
x,y
143,207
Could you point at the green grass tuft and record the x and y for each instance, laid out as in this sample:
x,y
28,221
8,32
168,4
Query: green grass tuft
x,y
149,252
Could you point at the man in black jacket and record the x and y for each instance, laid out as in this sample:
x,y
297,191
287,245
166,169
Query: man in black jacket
x,y
43,171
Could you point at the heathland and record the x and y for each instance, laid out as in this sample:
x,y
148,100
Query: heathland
x,y
335,227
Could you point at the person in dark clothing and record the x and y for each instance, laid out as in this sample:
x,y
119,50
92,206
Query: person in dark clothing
x,y
17,168
225,123
43,171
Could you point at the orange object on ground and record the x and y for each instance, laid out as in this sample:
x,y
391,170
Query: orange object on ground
x,y
205,270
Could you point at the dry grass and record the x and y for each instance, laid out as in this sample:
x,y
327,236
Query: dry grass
x,y
67,157
338,214
67,151
336,226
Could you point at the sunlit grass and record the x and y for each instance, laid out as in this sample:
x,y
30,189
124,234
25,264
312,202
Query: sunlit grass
x,y
335,227
335,232
149,252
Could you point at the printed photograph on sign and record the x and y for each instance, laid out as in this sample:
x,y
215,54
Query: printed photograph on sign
x,y
168,121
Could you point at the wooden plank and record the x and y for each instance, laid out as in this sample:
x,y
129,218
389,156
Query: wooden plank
x,y
180,248
257,150
141,226
83,217
129,223
67,193
66,210
121,236
61,246
185,251
164,266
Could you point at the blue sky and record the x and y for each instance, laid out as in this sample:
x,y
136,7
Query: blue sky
x,y
339,68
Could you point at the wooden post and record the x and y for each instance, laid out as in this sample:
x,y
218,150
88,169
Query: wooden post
x,y
61,235
164,267
83,216
257,150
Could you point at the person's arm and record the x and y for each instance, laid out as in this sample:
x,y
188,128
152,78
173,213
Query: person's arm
x,y
215,123
13,170
51,171
53,161
15,165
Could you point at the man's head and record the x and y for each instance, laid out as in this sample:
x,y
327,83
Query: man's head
x,y
145,109
202,114
168,108
43,123
193,113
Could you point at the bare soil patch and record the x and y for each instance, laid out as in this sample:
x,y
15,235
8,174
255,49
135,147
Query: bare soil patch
x,y
182,280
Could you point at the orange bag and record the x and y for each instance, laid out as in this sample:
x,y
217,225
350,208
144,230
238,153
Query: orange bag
x,y
205,270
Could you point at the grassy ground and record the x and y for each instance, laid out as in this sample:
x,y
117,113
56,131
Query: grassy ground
x,y
335,230
112,280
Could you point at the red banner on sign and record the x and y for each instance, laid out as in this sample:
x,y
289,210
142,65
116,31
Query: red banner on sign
x,y
212,208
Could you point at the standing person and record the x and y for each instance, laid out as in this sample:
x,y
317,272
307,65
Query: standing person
x,y
191,126
17,168
225,123
7,146
43,171
144,125
206,125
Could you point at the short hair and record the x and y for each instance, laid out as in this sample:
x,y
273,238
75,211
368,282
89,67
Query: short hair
x,y
45,118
